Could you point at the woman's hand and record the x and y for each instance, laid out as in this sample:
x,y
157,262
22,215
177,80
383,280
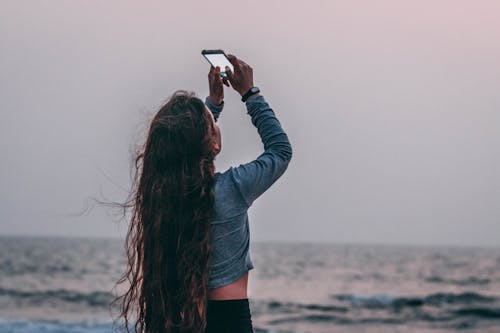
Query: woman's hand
x,y
215,82
242,78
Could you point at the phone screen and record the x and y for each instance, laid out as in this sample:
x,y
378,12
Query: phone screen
x,y
219,59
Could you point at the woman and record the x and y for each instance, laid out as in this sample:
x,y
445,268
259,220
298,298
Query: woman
x,y
188,241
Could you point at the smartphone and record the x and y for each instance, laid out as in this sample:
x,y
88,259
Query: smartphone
x,y
218,58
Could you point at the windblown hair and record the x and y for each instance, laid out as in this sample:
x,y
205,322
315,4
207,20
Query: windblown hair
x,y
168,241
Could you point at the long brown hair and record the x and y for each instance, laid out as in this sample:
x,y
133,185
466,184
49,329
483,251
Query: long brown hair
x,y
168,241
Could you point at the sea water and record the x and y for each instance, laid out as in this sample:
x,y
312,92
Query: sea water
x,y
66,285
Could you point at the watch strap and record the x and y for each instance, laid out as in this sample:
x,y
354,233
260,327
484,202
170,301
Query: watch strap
x,y
250,92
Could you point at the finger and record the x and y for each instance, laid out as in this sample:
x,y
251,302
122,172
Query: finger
x,y
234,61
229,73
237,61
242,62
225,81
218,78
216,72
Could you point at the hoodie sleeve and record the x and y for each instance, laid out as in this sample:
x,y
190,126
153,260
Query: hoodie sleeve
x,y
255,177
215,109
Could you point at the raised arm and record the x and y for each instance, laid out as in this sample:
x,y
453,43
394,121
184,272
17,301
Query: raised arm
x,y
215,101
255,177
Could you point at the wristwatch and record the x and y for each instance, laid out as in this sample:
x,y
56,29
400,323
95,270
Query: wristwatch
x,y
250,92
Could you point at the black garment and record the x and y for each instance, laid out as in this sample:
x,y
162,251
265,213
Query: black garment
x,y
229,316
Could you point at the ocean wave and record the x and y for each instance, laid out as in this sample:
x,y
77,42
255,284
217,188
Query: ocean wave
x,y
55,326
337,320
445,311
486,313
438,299
470,281
95,298
11,268
292,307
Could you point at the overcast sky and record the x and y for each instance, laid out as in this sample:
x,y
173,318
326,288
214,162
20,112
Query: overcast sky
x,y
392,109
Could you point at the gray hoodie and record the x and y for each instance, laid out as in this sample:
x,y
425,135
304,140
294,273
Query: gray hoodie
x,y
237,188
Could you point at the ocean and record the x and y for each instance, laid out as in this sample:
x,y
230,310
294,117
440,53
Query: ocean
x,y
65,285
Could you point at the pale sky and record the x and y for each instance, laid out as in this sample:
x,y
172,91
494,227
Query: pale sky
x,y
392,109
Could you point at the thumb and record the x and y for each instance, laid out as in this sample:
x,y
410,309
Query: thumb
x,y
229,73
